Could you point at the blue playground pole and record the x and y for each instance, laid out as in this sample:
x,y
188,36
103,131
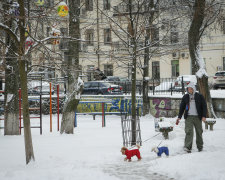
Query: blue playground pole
x,y
75,121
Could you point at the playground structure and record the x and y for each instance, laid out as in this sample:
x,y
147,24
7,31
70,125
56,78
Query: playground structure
x,y
48,104
31,109
36,106
1,110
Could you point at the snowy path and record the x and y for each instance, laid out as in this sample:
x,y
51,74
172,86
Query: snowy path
x,y
134,171
93,153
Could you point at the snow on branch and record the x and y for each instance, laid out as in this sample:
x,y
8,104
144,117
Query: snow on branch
x,y
10,33
201,64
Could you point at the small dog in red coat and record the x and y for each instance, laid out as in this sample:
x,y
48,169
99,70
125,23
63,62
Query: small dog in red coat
x,y
131,153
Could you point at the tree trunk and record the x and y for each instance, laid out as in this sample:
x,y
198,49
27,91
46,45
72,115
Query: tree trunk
x,y
194,32
23,82
133,73
26,115
194,36
133,96
145,98
146,105
204,89
73,54
11,104
70,106
67,123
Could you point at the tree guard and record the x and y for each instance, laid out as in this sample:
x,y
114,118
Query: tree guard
x,y
126,122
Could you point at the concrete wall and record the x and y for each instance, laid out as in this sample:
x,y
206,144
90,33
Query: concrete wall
x,y
169,107
159,106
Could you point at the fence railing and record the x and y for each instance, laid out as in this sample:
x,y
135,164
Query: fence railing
x,y
155,86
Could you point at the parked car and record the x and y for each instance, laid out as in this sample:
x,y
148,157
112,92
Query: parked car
x,y
2,88
124,79
186,80
164,86
112,78
219,80
101,87
35,87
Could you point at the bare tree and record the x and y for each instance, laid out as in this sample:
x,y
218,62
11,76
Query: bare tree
x,y
204,14
75,86
149,37
23,82
11,115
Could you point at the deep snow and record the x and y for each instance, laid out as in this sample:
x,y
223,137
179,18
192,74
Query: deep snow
x,y
93,153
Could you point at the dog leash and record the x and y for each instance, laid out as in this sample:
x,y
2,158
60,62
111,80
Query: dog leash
x,y
160,143
148,140
151,137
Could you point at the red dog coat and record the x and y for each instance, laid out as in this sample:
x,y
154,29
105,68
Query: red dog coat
x,y
133,152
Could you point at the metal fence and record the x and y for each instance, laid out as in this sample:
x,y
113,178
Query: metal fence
x,y
155,86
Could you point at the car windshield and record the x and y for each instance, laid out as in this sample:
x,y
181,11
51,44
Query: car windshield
x,y
105,84
96,84
86,84
220,74
187,78
113,78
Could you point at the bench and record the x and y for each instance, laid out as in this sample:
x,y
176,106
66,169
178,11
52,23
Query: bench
x,y
210,123
165,128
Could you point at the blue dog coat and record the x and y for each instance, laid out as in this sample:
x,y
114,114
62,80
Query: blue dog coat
x,y
163,149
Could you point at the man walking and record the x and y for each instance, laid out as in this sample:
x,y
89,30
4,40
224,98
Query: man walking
x,y
194,107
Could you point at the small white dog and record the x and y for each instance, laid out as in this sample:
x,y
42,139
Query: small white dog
x,y
160,150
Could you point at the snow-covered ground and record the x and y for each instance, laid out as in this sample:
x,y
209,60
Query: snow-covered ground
x,y
93,153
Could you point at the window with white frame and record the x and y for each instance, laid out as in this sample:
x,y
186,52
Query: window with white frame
x,y
107,36
175,68
90,36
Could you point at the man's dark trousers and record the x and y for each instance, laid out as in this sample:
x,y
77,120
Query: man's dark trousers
x,y
190,122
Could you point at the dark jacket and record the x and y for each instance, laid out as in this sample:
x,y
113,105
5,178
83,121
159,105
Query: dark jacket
x,y
200,106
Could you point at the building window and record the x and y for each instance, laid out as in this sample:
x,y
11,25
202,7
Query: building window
x,y
106,4
175,68
154,35
107,36
224,63
155,70
63,45
90,36
89,5
173,33
108,69
223,26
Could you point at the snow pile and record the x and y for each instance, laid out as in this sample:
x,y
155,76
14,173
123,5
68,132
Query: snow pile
x,y
93,152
